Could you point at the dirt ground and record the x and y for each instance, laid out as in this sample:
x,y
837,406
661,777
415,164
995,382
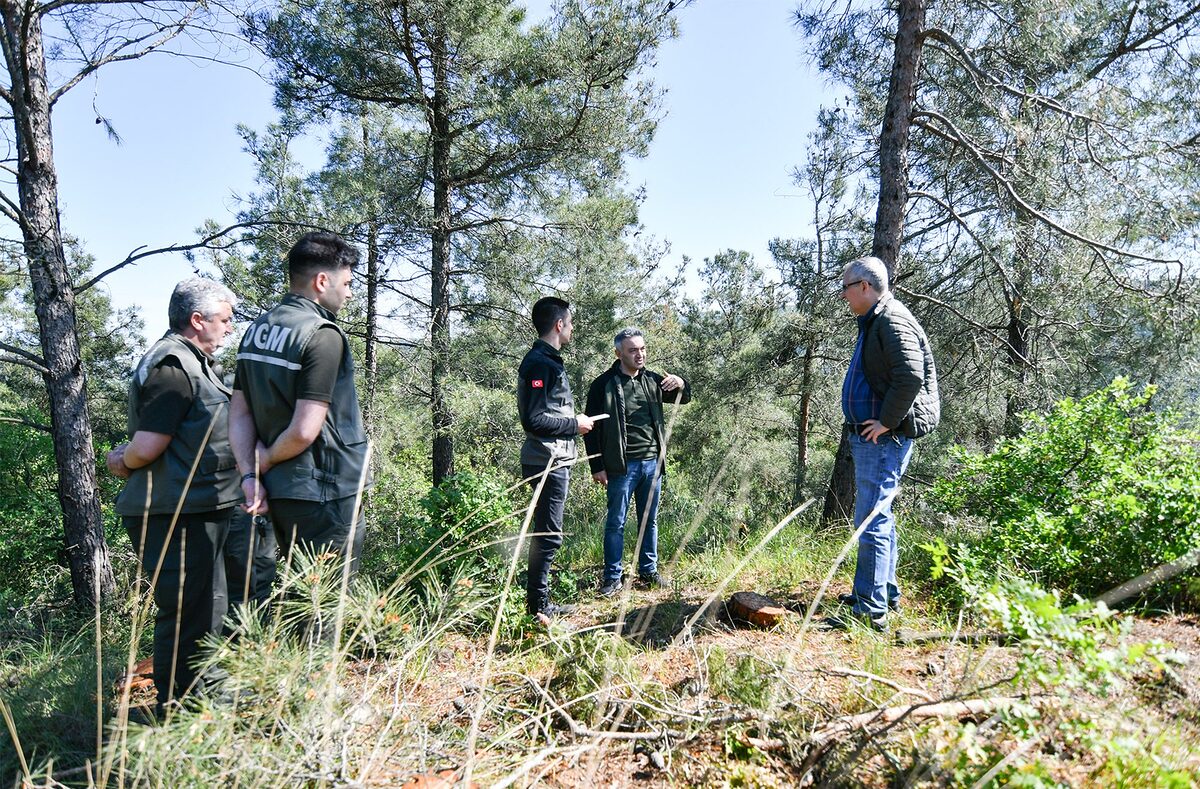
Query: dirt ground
x,y
815,675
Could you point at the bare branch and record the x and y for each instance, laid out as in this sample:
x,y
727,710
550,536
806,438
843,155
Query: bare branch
x,y
29,357
1128,47
204,243
27,423
1021,203
120,54
973,323
944,37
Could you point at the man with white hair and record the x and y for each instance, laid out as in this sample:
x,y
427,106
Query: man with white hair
x,y
628,452
889,398
182,482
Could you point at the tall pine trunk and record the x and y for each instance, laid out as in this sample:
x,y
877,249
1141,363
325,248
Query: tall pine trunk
x,y
439,330
372,339
802,420
54,304
893,197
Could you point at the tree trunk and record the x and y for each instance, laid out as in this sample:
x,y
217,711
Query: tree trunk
x,y
372,358
893,197
1018,352
802,420
372,342
839,497
893,137
54,302
439,332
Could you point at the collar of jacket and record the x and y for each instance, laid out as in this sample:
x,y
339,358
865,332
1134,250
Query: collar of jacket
x,y
618,370
304,302
204,358
876,309
547,348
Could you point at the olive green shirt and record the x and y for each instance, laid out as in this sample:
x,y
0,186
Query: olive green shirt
x,y
640,440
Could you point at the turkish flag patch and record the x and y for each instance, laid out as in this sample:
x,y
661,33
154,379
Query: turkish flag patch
x,y
537,383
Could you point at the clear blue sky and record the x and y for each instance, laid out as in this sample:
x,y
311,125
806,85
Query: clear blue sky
x,y
740,102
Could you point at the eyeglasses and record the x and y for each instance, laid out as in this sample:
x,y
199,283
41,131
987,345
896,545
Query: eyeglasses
x,y
849,285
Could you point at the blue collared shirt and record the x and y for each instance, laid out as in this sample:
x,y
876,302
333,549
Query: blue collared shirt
x,y
859,403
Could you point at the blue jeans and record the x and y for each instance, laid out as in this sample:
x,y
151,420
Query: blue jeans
x,y
877,471
643,481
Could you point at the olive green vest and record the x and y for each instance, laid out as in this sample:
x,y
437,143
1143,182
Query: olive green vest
x,y
269,362
214,485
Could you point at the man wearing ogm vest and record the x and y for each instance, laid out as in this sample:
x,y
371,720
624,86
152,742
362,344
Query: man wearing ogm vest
x,y
294,421
178,460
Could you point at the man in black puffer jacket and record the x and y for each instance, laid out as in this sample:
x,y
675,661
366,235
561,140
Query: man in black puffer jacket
x,y
889,398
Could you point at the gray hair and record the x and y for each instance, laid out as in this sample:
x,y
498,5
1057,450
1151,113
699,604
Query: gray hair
x,y
627,333
870,270
197,294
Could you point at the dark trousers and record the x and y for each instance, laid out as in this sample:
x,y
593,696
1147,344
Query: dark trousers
x,y
547,533
249,559
317,527
185,591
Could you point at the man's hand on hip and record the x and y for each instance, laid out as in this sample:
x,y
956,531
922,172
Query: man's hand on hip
x,y
873,430
601,477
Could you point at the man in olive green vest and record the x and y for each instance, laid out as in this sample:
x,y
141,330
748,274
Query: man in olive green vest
x,y
295,422
182,486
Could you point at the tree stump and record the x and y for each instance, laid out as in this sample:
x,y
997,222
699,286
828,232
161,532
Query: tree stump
x,y
759,610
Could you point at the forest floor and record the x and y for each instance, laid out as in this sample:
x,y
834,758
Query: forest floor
x,y
663,688
759,699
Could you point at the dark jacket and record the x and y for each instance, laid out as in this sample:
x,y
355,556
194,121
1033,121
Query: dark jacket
x,y
204,430
546,407
607,438
899,367
269,364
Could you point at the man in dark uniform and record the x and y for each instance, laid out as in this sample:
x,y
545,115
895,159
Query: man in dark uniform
x,y
182,486
249,559
628,452
548,416
295,422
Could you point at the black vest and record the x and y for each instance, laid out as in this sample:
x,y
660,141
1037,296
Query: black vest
x,y
215,484
269,362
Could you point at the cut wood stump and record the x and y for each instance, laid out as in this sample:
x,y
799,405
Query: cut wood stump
x,y
759,610
141,679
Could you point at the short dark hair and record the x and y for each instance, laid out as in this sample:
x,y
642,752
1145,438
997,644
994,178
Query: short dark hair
x,y
548,311
319,251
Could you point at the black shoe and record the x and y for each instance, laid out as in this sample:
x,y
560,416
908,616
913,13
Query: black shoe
x,y
851,599
610,589
877,623
554,611
650,580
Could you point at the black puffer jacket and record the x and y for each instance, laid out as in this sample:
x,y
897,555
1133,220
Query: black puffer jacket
x,y
899,367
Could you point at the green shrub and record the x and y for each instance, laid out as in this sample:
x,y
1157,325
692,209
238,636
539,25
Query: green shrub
x,y
472,517
1098,491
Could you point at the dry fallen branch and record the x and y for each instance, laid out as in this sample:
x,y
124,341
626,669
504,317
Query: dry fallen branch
x,y
910,637
841,671
582,731
914,712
